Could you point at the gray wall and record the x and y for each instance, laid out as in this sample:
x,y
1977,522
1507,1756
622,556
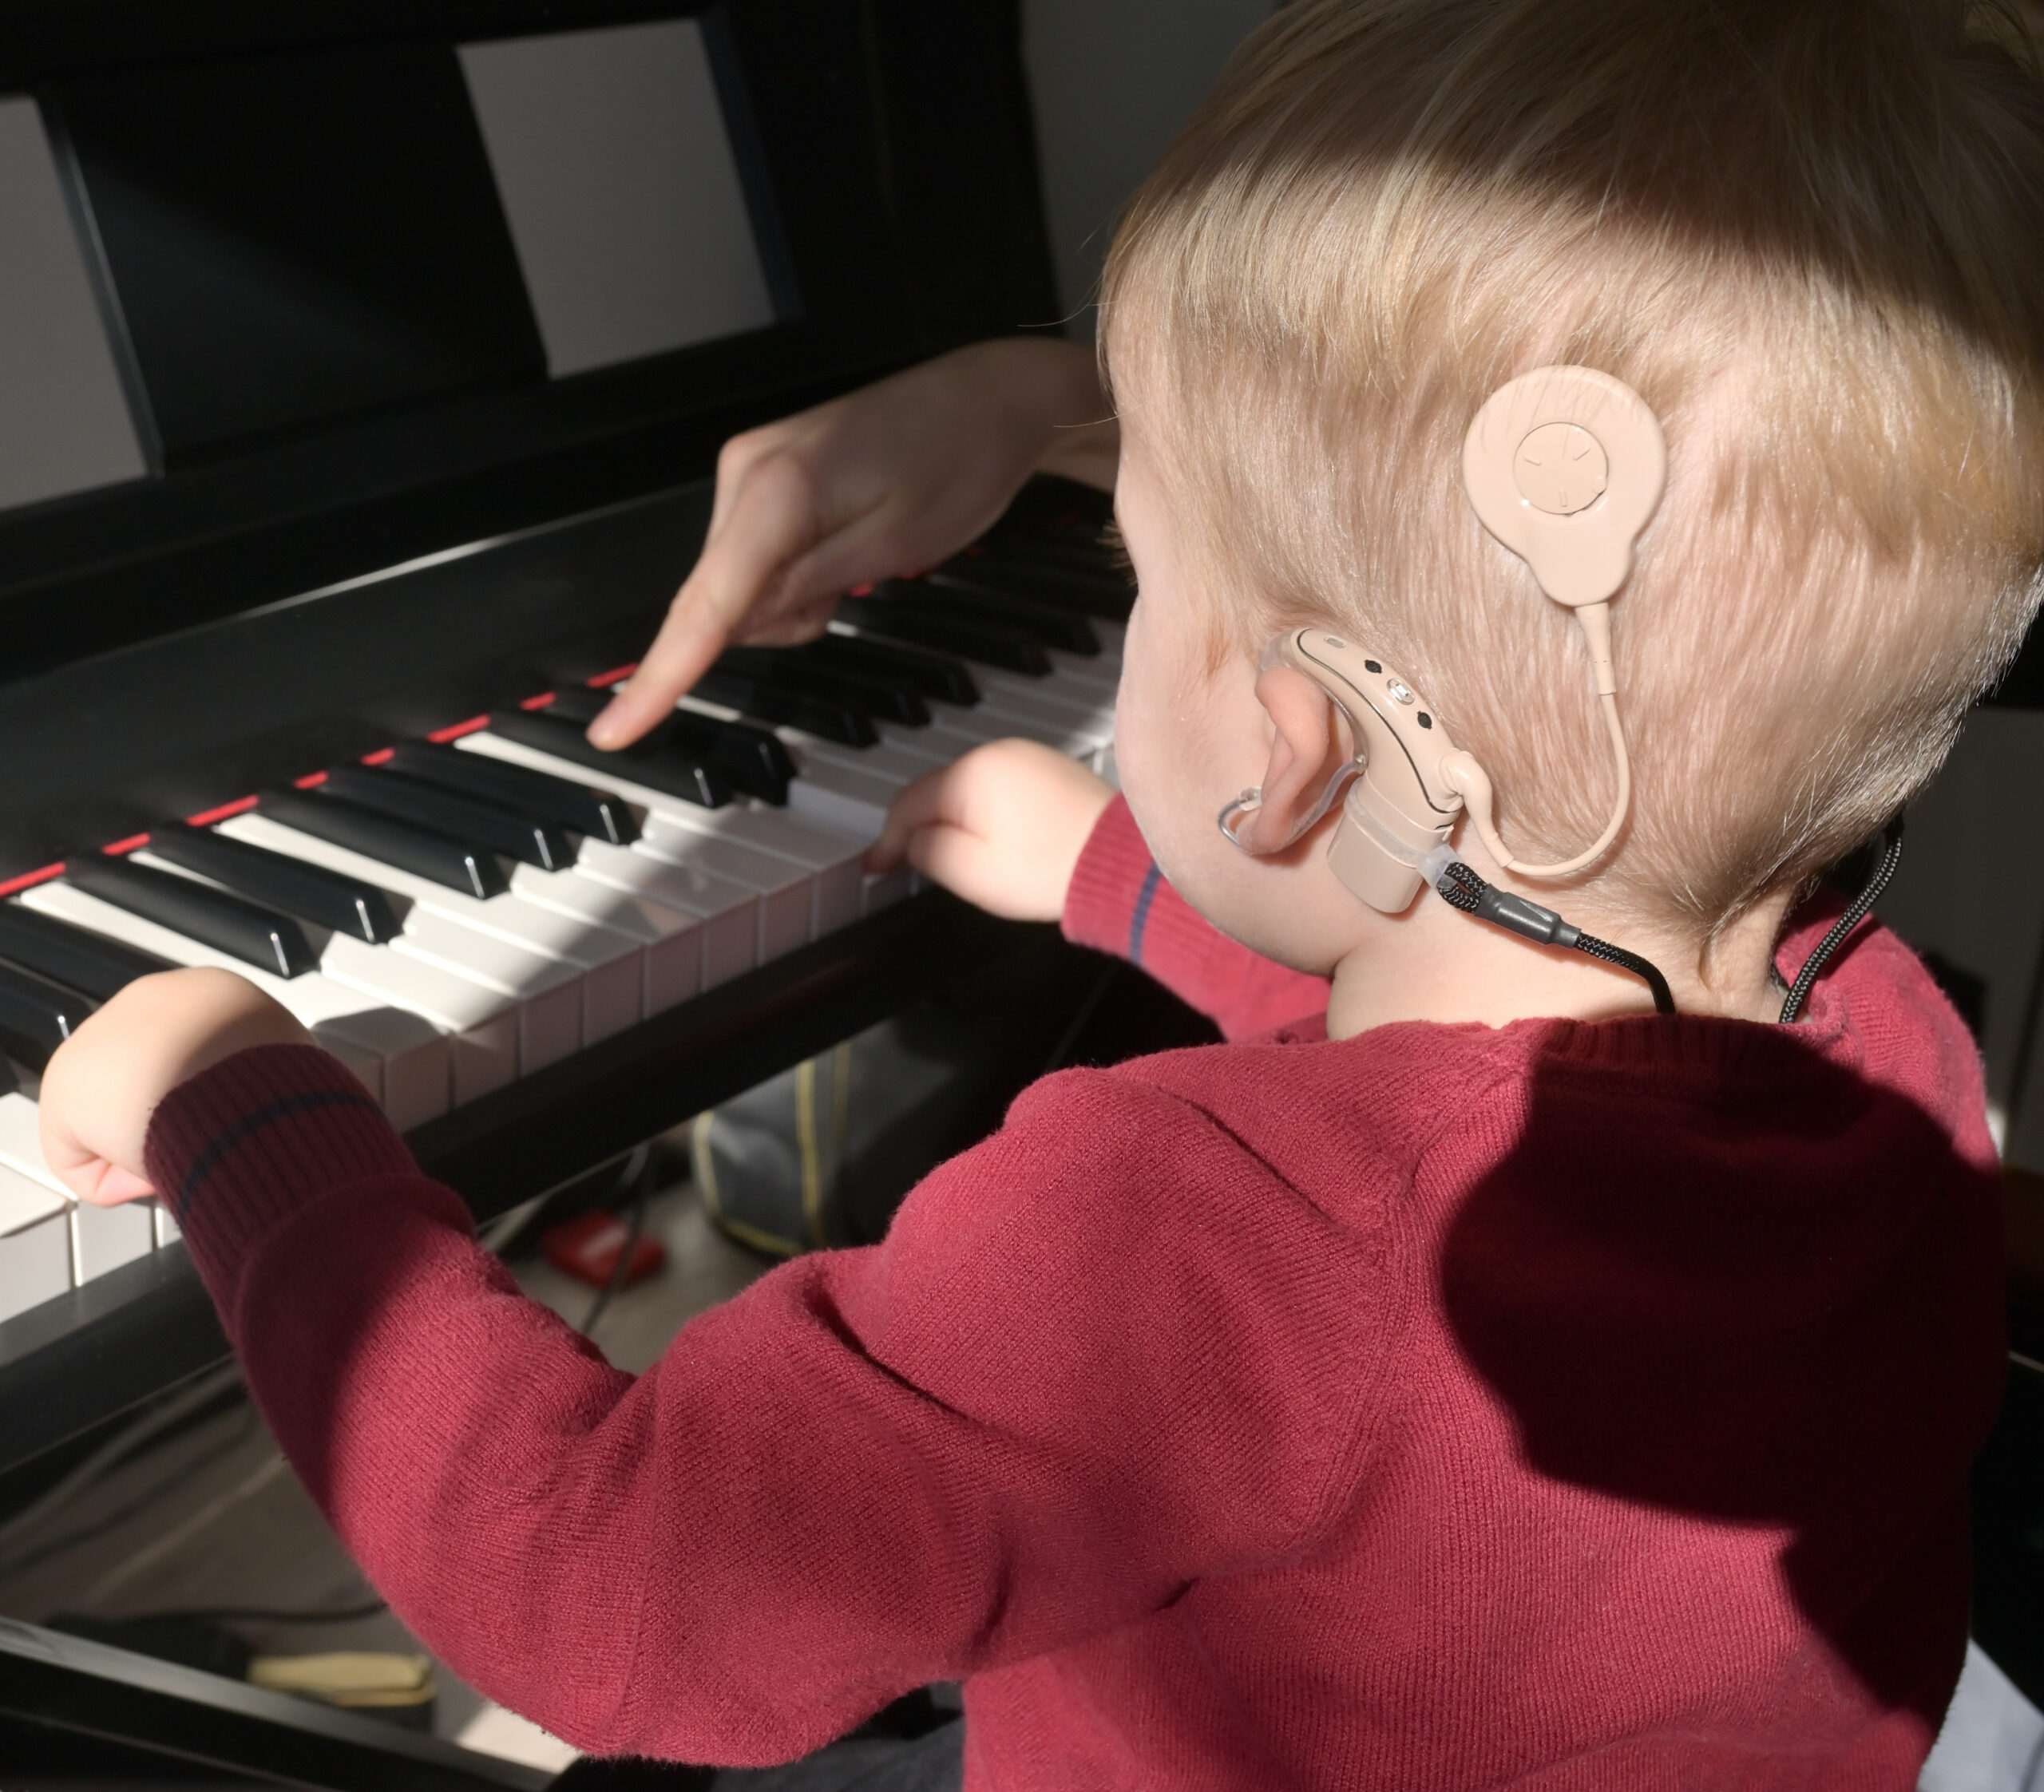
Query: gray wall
x,y
1112,79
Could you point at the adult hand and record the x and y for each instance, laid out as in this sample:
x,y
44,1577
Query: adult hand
x,y
103,1083
887,479
1002,827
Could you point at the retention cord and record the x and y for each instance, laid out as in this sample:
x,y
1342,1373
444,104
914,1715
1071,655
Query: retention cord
x,y
1856,912
1460,888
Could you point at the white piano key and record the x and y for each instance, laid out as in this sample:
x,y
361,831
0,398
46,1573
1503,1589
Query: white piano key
x,y
169,1232
689,891
482,1027
548,995
729,915
610,960
399,1057
104,1238
98,1238
1075,672
1084,717
35,1243
883,889
851,800
886,763
672,958
834,860
21,1144
786,887
787,892
829,856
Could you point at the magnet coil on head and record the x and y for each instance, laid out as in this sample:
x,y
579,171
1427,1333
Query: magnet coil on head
x,y
1565,466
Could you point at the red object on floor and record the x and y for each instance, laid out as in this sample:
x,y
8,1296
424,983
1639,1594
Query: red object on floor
x,y
588,1249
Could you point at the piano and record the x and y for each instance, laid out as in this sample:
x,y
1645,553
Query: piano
x,y
362,374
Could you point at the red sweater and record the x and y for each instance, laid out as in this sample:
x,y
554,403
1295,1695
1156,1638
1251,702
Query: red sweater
x,y
1562,1405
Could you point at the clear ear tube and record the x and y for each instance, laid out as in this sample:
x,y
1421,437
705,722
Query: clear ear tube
x,y
1252,799
1274,654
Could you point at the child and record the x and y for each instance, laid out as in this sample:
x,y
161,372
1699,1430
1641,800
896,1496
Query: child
x,y
1484,1382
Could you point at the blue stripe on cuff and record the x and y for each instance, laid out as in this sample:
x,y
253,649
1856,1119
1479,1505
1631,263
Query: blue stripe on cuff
x,y
254,1123
1140,919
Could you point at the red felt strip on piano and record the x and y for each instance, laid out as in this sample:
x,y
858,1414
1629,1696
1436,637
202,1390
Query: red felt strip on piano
x,y
206,817
28,880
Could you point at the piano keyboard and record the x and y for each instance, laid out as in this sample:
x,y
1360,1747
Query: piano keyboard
x,y
451,914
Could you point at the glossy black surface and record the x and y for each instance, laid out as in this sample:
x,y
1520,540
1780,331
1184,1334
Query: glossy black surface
x,y
886,697
1075,574
947,630
255,934
535,795
36,1015
68,954
661,761
923,670
328,899
479,824
892,144
457,865
189,1717
375,268
972,592
774,700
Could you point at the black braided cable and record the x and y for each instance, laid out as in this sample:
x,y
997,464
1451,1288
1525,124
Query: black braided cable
x,y
1460,888
1854,913
1664,998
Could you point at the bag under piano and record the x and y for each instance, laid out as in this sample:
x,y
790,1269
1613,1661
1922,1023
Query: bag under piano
x,y
822,1155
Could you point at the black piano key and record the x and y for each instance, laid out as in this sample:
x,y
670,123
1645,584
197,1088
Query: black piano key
x,y
889,697
941,675
1086,554
949,631
748,757
389,841
660,761
36,1015
328,899
1055,627
539,795
87,962
772,701
1086,579
485,824
227,923
740,756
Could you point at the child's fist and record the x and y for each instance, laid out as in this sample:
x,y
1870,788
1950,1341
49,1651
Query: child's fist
x,y
105,1081
1002,827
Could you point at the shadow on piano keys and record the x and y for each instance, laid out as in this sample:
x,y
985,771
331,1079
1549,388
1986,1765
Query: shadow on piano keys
x,y
535,955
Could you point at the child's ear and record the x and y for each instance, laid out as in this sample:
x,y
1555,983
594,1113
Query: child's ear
x,y
1310,743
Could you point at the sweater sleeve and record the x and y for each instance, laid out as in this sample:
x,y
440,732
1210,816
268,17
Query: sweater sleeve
x,y
1120,903
1068,1384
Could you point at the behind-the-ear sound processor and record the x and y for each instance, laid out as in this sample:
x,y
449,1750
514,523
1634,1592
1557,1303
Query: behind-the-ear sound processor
x,y
1565,466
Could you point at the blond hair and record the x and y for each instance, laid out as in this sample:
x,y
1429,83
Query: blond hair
x,y
1810,233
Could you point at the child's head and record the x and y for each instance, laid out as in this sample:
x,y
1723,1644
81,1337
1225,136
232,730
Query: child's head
x,y
1810,233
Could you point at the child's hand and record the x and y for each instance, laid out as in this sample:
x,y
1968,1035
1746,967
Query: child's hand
x,y
1002,827
105,1081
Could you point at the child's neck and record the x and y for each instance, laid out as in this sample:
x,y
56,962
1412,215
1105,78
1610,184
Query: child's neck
x,y
1439,964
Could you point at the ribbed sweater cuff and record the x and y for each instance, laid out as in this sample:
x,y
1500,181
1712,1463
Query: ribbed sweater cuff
x,y
1107,883
243,1146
